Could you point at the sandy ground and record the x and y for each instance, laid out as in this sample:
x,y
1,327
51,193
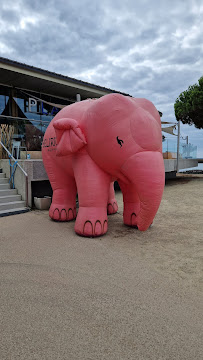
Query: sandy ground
x,y
126,295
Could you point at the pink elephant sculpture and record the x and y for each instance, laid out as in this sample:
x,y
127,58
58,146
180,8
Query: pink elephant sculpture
x,y
90,144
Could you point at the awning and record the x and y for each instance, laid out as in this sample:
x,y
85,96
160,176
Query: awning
x,y
169,130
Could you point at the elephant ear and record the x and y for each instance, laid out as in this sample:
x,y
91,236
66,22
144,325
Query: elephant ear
x,y
69,136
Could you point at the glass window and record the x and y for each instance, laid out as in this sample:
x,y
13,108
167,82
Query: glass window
x,y
2,103
29,112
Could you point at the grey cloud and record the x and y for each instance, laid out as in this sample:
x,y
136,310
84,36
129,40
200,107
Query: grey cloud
x,y
184,57
10,16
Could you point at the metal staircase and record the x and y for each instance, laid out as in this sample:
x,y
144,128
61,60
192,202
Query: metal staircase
x,y
10,202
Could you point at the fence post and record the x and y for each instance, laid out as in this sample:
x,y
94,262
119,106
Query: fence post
x,y
178,146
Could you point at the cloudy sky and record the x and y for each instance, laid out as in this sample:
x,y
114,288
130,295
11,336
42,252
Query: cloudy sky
x,y
151,49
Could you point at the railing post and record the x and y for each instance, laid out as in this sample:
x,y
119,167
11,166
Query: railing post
x,y
78,97
26,191
178,147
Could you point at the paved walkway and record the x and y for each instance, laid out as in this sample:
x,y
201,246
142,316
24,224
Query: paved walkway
x,y
115,297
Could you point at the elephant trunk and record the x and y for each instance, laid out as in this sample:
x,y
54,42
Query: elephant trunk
x,y
146,173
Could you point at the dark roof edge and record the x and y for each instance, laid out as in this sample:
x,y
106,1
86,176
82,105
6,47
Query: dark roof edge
x,y
59,76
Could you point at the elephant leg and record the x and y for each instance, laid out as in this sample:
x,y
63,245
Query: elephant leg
x,y
63,207
112,206
131,203
93,190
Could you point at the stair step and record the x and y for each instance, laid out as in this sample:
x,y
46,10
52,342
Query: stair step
x,y
12,205
4,180
10,198
8,192
4,186
10,201
14,211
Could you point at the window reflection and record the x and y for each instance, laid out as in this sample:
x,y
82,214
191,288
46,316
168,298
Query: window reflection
x,y
30,113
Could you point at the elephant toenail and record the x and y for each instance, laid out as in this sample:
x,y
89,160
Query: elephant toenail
x,y
88,228
70,214
105,226
63,215
98,228
56,214
110,208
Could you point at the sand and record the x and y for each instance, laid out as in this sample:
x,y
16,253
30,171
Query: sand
x,y
126,295
174,245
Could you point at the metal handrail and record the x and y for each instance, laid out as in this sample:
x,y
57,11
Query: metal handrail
x,y
20,167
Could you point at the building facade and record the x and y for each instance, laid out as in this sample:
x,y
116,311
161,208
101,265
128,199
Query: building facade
x,y
30,97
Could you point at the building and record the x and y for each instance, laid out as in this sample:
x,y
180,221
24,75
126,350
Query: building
x,y
30,97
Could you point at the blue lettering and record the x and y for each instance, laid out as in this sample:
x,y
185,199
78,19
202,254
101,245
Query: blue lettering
x,y
54,110
44,112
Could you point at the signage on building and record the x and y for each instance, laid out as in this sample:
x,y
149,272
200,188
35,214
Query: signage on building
x,y
37,107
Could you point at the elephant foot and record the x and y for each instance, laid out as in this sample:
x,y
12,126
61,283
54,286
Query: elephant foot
x,y
130,214
91,221
63,212
112,207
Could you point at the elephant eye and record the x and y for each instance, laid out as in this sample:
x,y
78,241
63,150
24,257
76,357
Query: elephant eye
x,y
119,141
